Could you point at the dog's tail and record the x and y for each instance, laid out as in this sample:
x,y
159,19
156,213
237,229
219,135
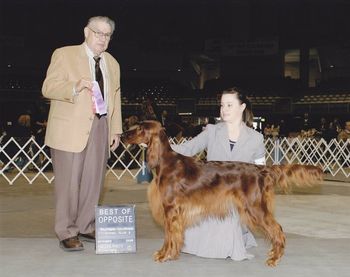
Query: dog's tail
x,y
285,176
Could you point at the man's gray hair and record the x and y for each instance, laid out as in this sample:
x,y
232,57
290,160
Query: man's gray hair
x,y
102,18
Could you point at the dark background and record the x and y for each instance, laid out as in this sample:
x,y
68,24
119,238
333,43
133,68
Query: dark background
x,y
32,29
155,42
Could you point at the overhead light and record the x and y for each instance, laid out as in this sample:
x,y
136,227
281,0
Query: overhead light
x,y
331,66
184,113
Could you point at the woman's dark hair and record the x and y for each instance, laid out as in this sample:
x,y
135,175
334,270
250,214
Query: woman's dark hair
x,y
247,116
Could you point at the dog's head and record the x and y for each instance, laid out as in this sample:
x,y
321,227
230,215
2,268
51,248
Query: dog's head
x,y
142,132
147,132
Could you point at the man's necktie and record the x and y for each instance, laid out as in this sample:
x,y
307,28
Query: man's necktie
x,y
98,74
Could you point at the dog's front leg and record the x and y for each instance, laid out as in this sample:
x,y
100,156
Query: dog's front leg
x,y
174,235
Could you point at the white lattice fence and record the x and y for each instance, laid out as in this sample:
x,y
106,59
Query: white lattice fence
x,y
26,158
333,156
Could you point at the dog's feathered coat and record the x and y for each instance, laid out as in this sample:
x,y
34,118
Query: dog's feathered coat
x,y
186,191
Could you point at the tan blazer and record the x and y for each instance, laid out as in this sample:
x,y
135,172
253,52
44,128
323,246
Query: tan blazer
x,y
70,117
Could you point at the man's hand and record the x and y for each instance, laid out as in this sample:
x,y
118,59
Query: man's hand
x,y
115,142
83,83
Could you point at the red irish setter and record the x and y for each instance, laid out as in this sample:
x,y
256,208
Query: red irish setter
x,y
187,190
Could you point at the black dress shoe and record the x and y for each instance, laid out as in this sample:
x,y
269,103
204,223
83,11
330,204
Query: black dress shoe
x,y
90,237
71,244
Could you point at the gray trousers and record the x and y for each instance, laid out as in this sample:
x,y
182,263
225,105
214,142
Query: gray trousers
x,y
79,179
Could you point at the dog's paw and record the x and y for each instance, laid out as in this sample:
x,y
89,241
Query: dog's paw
x,y
163,256
159,256
271,262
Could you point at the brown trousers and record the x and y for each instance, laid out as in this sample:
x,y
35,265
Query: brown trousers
x,y
79,179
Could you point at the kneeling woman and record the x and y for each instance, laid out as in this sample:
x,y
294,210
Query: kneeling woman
x,y
233,139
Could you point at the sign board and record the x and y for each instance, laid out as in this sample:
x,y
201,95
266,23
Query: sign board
x,y
115,229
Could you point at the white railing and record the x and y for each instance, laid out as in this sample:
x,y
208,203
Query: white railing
x,y
30,160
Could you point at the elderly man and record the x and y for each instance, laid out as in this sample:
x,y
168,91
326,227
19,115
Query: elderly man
x,y
79,137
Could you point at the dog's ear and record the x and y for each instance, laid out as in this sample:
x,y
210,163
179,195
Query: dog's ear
x,y
153,151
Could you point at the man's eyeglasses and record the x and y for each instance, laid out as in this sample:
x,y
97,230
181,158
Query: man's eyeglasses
x,y
99,35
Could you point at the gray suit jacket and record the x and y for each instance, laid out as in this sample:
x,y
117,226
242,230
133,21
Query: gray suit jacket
x,y
248,148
